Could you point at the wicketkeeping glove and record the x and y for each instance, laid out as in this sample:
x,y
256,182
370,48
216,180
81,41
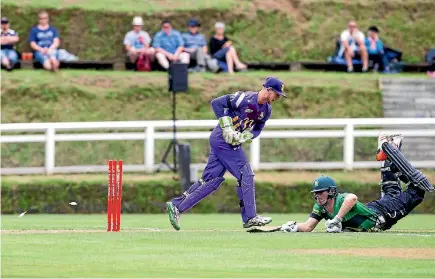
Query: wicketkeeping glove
x,y
334,225
242,137
290,226
228,131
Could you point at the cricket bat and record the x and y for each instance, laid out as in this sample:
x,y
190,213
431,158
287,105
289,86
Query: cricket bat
x,y
264,229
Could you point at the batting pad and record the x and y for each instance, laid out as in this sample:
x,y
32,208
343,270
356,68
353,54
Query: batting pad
x,y
264,229
415,176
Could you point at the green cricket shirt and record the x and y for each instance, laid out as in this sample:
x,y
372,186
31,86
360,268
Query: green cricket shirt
x,y
359,218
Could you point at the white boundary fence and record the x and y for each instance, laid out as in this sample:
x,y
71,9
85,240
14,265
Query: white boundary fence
x,y
347,128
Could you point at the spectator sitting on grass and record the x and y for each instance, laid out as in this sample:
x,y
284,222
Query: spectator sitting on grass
x,y
8,39
44,40
352,41
169,46
196,46
137,42
375,48
222,49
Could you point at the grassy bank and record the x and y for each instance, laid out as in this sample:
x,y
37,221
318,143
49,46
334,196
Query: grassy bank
x,y
37,96
304,30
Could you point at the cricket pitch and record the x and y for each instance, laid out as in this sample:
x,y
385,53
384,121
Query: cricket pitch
x,y
208,245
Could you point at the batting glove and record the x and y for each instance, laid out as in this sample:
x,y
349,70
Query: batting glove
x,y
290,226
334,225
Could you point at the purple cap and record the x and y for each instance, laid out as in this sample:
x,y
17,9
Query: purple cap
x,y
4,20
276,85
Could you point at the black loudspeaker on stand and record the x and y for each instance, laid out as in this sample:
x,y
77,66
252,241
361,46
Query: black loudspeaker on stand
x,y
178,82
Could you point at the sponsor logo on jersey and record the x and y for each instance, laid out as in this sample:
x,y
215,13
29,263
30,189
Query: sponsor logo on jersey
x,y
248,110
261,116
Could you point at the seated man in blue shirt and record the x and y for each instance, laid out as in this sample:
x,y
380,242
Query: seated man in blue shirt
x,y
196,46
375,48
44,40
9,38
169,46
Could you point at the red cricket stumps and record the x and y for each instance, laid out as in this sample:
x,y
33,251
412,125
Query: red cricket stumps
x,y
109,196
119,184
114,195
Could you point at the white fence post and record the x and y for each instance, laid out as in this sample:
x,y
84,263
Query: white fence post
x,y
149,148
255,154
288,128
348,146
50,150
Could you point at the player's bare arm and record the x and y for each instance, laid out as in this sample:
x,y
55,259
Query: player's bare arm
x,y
349,202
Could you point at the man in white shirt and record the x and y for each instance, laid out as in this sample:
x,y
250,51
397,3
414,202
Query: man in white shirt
x,y
137,42
352,41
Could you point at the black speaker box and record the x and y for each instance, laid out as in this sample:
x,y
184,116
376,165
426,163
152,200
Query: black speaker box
x,y
178,77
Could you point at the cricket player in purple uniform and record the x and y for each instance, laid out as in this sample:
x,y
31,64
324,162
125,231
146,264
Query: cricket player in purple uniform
x,y
242,117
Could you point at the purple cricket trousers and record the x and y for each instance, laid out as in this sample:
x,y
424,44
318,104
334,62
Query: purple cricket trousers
x,y
223,157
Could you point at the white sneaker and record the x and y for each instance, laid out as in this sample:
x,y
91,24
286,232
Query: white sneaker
x,y
257,221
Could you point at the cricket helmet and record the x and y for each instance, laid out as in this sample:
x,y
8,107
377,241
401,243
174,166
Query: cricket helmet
x,y
325,183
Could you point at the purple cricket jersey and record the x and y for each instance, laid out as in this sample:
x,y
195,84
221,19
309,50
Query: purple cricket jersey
x,y
245,111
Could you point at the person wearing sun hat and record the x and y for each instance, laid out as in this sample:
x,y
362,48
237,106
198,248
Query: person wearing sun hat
x,y
137,41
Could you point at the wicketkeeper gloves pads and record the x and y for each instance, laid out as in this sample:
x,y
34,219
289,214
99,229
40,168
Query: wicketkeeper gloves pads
x,y
242,137
228,131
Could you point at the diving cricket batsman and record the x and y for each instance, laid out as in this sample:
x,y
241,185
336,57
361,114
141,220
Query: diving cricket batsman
x,y
343,212
242,117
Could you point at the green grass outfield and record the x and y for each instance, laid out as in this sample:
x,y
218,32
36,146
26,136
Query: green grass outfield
x,y
208,246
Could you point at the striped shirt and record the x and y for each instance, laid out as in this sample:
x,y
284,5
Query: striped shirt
x,y
193,40
10,32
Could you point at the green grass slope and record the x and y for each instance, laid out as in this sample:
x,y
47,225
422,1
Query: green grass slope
x,y
38,96
280,30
